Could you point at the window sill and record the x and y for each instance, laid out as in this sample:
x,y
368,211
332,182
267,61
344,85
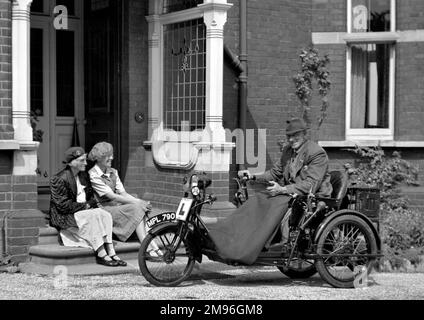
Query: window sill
x,y
18,145
369,143
374,37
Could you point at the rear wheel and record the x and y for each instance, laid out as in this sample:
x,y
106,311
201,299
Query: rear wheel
x,y
345,235
173,263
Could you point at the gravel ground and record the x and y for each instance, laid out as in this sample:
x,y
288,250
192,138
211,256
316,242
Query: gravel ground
x,y
236,283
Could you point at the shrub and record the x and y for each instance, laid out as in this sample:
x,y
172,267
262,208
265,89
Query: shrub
x,y
402,229
385,173
402,233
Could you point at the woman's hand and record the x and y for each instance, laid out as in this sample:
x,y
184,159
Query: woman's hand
x,y
145,205
275,189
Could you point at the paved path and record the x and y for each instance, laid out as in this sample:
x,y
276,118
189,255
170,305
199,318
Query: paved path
x,y
212,281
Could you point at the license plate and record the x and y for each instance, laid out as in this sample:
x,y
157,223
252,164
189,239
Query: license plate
x,y
160,218
184,209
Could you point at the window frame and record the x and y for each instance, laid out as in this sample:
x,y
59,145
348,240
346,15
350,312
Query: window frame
x,y
371,37
165,19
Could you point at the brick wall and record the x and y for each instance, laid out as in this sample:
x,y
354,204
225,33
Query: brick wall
x,y
6,128
18,201
329,16
275,39
410,14
409,91
333,128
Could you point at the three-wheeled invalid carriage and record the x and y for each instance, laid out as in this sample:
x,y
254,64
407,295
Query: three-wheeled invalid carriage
x,y
336,237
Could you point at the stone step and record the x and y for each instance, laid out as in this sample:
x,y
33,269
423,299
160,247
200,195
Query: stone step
x,y
55,254
89,269
48,235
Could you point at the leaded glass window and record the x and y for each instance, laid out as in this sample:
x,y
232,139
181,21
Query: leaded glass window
x,y
184,75
177,5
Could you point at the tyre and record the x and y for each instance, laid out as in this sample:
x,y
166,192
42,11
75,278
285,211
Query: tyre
x,y
346,234
299,269
173,263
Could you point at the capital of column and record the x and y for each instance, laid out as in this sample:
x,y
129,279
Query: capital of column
x,y
154,26
21,8
215,13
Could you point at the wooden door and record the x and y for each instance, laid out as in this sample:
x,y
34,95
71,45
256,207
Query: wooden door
x,y
102,74
56,81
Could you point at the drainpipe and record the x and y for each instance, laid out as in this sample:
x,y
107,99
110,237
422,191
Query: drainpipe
x,y
243,76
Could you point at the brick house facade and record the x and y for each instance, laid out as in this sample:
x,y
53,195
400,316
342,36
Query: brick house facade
x,y
276,32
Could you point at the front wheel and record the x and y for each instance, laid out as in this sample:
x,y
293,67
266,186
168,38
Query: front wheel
x,y
342,243
172,262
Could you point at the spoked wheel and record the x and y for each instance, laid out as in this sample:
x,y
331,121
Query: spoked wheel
x,y
173,263
345,235
299,269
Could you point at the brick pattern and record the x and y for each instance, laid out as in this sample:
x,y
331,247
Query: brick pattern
x,y
6,128
275,39
329,16
165,187
410,15
18,200
333,128
409,91
18,192
22,232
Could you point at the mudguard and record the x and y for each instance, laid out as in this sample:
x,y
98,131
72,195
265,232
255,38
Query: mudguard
x,y
191,238
339,213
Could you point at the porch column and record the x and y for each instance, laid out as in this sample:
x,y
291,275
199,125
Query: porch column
x,y
25,159
215,151
21,70
23,217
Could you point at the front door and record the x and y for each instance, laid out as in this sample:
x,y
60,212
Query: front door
x,y
102,43
57,84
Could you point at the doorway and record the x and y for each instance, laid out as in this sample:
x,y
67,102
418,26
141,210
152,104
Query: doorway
x,y
103,69
75,79
56,79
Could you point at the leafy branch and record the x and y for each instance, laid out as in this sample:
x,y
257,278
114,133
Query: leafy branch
x,y
313,67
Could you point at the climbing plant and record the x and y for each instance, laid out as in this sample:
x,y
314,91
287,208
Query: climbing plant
x,y
314,68
37,134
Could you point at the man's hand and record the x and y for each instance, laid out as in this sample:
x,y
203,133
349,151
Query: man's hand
x,y
275,189
243,173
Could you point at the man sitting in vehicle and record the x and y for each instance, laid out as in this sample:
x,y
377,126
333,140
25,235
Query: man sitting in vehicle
x,y
302,168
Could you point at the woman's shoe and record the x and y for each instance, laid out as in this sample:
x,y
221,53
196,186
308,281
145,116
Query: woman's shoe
x,y
108,263
120,262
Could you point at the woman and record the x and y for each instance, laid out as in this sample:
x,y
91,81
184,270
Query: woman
x,y
128,212
74,212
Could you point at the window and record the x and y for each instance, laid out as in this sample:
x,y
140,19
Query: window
x,y
370,70
176,5
184,75
370,15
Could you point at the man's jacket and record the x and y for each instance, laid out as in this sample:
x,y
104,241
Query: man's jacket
x,y
302,171
63,198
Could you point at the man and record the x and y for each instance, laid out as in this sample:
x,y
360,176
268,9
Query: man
x,y
302,168
74,212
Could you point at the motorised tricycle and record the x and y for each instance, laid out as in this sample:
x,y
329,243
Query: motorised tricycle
x,y
322,234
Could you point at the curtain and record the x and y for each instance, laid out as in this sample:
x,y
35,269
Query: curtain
x,y
359,86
